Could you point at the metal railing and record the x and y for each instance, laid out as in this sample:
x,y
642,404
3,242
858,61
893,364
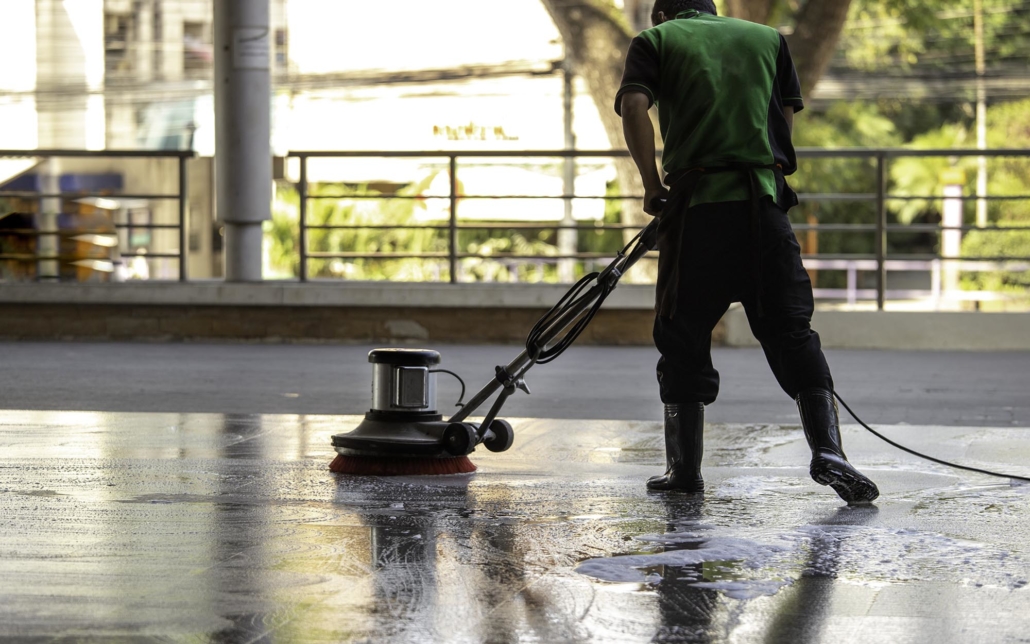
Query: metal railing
x,y
181,157
454,225
879,262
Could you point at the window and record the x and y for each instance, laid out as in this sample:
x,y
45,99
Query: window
x,y
197,50
281,49
117,38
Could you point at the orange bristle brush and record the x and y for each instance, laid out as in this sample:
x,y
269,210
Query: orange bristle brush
x,y
400,466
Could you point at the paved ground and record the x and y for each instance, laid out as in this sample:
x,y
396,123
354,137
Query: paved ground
x,y
229,528
976,389
132,517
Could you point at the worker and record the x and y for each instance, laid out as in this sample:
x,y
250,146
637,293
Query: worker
x,y
726,92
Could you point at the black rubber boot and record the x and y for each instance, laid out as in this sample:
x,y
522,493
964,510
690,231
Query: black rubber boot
x,y
684,445
829,464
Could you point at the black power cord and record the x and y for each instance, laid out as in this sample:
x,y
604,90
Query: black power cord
x,y
606,279
543,355
924,456
451,373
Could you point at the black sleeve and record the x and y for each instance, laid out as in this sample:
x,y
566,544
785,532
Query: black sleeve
x,y
787,78
642,73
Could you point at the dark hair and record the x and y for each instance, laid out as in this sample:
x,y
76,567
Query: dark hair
x,y
672,7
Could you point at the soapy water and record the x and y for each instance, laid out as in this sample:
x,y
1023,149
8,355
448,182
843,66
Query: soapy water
x,y
742,560
749,560
746,568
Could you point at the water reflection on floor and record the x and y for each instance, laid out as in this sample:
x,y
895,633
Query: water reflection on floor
x,y
231,529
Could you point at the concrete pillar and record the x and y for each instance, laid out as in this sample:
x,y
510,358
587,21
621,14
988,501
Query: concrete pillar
x,y
243,156
65,72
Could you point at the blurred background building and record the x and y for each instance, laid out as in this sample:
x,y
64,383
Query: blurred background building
x,y
451,75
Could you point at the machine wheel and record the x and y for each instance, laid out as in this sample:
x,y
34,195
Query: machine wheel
x,y
460,439
504,436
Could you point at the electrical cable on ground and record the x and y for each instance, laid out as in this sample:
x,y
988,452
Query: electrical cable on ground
x,y
924,456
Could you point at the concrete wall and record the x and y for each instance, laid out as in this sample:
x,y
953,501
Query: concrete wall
x,y
290,312
381,312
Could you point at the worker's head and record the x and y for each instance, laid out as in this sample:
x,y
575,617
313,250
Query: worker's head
x,y
665,10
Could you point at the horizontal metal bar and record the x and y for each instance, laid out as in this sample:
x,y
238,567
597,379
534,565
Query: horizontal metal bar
x,y
500,256
810,153
23,257
580,256
490,226
823,153
912,258
446,154
835,228
149,226
901,228
826,196
374,227
914,228
65,232
391,256
464,197
841,196
609,256
912,294
958,198
29,194
156,154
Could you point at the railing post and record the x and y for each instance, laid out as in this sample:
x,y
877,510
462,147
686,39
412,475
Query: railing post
x,y
302,192
183,231
453,246
881,230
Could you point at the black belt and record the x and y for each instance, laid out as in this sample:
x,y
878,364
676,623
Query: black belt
x,y
670,230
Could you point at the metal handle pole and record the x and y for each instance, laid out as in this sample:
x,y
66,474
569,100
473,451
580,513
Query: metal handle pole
x,y
566,319
302,192
881,231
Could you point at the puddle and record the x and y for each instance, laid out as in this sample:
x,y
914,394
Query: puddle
x,y
748,563
740,568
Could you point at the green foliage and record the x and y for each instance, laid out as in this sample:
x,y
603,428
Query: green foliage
x,y
935,35
399,230
998,244
917,176
844,125
355,208
1008,126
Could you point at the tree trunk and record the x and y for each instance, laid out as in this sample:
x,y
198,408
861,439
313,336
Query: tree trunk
x,y
814,41
753,10
597,37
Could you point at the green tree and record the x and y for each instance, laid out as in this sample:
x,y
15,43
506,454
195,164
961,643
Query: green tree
x,y
1009,127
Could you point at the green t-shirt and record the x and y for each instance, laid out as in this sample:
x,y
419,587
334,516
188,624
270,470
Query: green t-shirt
x,y
720,85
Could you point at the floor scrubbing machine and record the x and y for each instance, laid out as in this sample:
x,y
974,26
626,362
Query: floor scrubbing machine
x,y
404,432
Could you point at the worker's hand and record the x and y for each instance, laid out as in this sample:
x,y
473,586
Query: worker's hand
x,y
654,200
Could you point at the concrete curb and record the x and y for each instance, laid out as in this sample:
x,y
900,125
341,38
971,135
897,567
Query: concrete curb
x,y
938,331
316,294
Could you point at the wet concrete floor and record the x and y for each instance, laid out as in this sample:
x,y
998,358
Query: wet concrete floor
x,y
230,528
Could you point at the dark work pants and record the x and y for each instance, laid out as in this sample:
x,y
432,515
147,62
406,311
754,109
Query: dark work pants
x,y
718,269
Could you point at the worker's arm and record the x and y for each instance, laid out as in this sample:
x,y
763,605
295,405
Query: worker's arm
x,y
788,84
636,126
